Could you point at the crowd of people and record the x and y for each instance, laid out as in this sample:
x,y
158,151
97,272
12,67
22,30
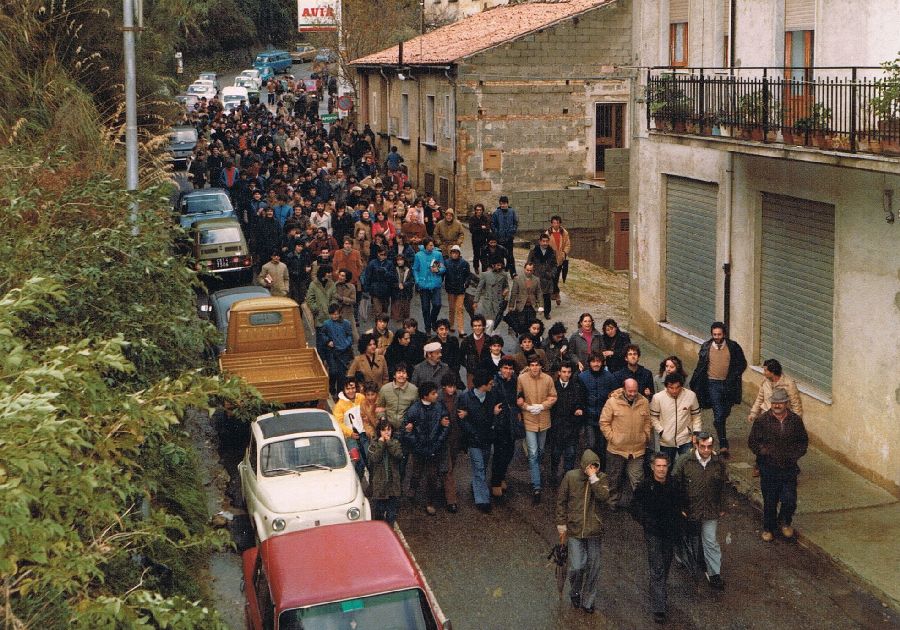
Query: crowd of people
x,y
343,231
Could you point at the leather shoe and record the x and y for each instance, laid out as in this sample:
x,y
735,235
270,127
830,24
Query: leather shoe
x,y
659,617
429,509
536,497
576,600
588,609
484,508
453,508
767,536
787,531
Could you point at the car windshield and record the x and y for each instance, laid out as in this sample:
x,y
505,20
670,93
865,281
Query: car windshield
x,y
220,235
263,59
197,89
249,73
206,203
207,76
400,610
297,453
184,135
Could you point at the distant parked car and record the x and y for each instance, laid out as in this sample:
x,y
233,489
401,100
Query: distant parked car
x,y
203,90
245,80
182,142
232,97
253,73
277,60
252,87
326,55
187,101
208,203
297,473
303,51
209,76
220,248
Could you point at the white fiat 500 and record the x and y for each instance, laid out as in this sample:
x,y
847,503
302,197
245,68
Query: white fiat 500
x,y
297,473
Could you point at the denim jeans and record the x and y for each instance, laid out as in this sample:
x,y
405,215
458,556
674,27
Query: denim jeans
x,y
431,306
659,558
673,452
718,397
778,485
584,568
535,441
712,552
478,457
566,452
595,440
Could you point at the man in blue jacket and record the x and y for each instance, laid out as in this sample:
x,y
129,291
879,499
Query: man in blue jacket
x,y
478,410
424,437
599,384
428,270
378,280
505,224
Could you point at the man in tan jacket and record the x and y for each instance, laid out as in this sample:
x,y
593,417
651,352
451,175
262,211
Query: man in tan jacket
x,y
625,423
536,395
448,232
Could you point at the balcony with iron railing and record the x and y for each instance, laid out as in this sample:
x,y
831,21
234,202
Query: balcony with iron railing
x,y
850,110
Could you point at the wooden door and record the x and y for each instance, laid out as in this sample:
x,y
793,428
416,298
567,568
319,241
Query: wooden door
x,y
622,224
610,133
798,61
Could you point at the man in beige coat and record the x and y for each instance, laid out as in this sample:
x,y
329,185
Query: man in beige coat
x,y
536,395
275,277
448,232
625,423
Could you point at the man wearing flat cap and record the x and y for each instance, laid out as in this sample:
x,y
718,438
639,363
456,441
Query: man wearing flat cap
x,y
432,368
778,439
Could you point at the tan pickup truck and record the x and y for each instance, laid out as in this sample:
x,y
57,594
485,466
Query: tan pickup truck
x,y
266,346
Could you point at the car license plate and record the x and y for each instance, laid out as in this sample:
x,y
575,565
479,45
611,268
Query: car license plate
x,y
221,263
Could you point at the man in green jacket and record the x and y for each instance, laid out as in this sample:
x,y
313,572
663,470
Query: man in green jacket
x,y
578,500
700,478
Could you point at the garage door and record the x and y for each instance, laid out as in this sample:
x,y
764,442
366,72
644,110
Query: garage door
x,y
797,287
691,254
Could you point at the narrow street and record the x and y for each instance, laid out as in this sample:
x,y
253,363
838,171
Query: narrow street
x,y
491,571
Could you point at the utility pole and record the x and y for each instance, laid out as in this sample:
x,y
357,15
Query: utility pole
x,y
131,146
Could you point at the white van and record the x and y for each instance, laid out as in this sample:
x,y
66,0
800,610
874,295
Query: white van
x,y
232,97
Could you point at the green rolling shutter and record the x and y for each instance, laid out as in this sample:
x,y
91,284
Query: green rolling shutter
x,y
691,254
797,287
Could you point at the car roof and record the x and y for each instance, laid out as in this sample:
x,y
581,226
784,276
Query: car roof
x,y
336,562
227,297
212,224
210,192
293,420
262,303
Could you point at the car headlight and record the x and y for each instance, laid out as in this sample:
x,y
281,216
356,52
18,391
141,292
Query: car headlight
x,y
278,524
353,513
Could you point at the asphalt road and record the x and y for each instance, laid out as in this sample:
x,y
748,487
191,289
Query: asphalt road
x,y
490,571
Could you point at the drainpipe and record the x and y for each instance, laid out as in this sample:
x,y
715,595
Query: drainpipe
x,y
452,124
732,22
726,254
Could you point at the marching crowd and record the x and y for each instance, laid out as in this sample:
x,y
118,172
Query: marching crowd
x,y
343,231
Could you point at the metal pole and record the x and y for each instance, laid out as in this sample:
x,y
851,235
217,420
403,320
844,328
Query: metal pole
x,y
131,146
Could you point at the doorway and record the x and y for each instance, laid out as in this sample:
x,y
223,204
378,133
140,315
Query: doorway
x,y
610,134
622,224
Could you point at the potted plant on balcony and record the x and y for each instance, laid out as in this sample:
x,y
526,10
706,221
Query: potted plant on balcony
x,y
886,107
813,129
669,106
753,112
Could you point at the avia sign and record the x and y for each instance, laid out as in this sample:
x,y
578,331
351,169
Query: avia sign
x,y
317,15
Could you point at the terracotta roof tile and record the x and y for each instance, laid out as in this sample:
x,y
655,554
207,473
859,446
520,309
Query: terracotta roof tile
x,y
481,31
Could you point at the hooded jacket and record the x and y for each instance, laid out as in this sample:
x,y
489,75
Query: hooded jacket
x,y
425,277
448,234
578,500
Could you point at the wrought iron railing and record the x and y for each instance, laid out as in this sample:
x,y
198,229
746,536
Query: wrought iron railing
x,y
849,110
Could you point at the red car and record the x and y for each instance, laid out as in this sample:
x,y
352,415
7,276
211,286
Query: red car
x,y
353,575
